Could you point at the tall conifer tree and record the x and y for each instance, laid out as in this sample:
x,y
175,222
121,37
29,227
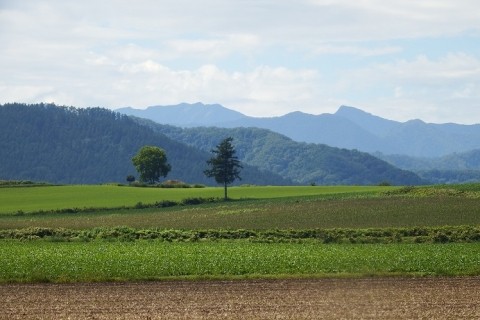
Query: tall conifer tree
x,y
224,166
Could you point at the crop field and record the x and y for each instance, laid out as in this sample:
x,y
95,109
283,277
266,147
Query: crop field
x,y
150,260
263,232
340,211
270,252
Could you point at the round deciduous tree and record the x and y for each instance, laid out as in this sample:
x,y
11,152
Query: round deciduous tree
x,y
151,164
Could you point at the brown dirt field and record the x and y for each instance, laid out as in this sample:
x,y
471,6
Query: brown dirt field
x,y
371,298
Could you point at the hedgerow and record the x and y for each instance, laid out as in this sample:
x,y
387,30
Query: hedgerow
x,y
448,234
138,205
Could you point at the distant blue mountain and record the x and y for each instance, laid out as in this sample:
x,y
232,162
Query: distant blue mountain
x,y
348,128
186,115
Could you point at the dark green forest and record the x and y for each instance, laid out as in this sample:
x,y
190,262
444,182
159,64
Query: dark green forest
x,y
57,144
304,163
453,168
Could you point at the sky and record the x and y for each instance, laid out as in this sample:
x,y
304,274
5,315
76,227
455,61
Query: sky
x,y
398,59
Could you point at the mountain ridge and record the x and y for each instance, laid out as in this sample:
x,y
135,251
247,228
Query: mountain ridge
x,y
349,128
185,114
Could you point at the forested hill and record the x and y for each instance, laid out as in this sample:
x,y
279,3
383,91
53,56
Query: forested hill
x,y
302,162
45,142
349,128
453,168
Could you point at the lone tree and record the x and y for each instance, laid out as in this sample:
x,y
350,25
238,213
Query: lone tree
x,y
224,166
151,163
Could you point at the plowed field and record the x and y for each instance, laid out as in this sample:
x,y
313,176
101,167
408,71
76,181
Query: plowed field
x,y
373,298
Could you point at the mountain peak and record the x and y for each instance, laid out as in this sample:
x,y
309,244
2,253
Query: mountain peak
x,y
297,114
186,114
346,111
374,124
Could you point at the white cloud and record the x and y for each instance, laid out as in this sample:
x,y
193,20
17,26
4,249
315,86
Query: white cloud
x,y
356,50
256,92
215,48
377,19
420,71
18,93
451,67
264,57
262,91
213,21
469,90
424,88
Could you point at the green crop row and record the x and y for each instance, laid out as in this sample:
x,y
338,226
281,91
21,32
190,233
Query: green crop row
x,y
149,260
283,213
386,235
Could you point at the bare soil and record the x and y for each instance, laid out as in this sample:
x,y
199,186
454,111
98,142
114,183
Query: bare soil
x,y
371,298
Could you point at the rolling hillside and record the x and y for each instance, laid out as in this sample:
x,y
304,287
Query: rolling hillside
x,y
304,163
45,142
453,168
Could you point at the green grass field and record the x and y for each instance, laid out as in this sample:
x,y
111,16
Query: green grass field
x,y
30,199
110,258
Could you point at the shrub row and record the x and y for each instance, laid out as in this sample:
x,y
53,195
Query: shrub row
x,y
169,203
166,184
391,235
138,205
21,183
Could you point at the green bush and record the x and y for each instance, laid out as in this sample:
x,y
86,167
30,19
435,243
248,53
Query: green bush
x,y
462,234
198,200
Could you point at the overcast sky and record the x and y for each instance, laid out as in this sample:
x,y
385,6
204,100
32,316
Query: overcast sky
x,y
399,59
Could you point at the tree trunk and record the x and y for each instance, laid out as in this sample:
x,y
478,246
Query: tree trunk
x,y
225,191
